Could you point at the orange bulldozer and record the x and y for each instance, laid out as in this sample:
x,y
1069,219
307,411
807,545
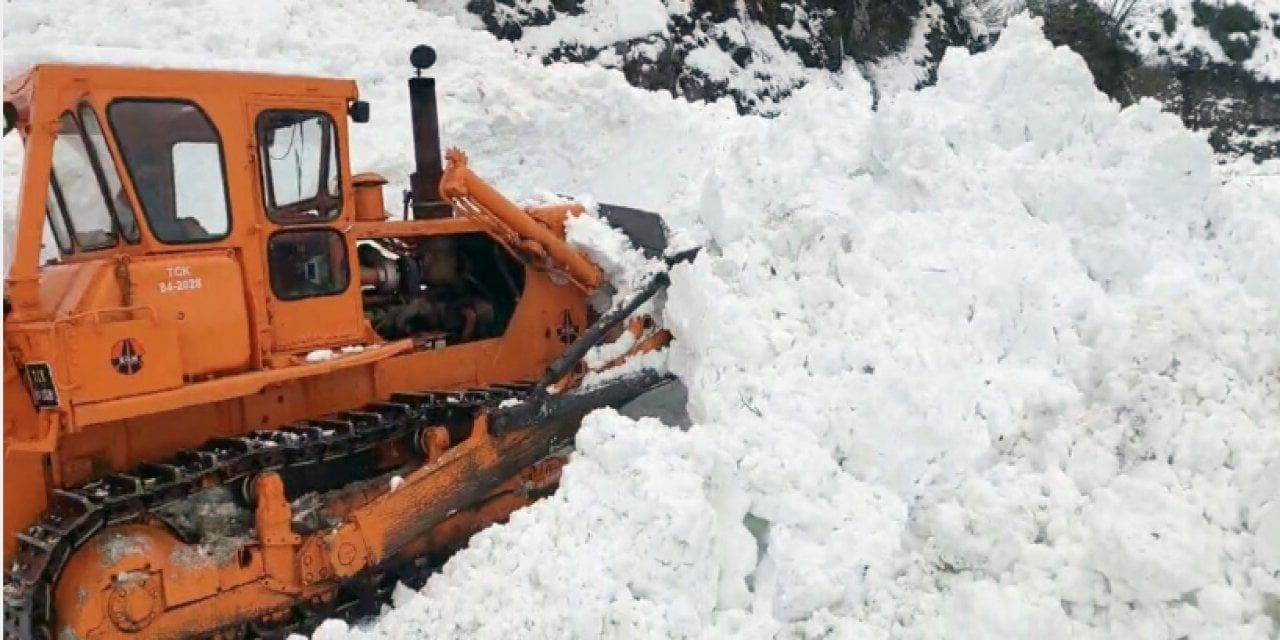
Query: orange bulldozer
x,y
243,398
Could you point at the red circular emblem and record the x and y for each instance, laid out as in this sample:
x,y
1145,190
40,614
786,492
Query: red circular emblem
x,y
126,356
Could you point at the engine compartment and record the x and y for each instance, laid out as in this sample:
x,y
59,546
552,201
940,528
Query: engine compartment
x,y
459,288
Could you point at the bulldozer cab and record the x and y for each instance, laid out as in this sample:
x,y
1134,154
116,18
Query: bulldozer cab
x,y
211,204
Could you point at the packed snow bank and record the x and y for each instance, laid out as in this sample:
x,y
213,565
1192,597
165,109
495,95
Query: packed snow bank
x,y
997,361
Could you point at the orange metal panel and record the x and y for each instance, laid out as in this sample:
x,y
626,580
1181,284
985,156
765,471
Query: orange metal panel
x,y
274,404
224,388
410,228
454,367
117,358
91,453
202,294
338,391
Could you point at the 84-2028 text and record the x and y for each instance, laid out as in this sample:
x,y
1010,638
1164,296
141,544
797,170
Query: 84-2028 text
x,y
180,279
174,286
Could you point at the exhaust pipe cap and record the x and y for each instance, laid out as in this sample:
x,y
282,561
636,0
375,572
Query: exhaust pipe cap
x,y
422,57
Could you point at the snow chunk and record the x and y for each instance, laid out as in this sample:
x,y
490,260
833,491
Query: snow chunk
x,y
623,263
1135,527
323,355
320,355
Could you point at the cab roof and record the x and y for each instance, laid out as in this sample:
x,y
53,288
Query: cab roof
x,y
181,81
18,60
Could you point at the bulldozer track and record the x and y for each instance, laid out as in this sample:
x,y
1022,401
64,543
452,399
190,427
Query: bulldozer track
x,y
74,516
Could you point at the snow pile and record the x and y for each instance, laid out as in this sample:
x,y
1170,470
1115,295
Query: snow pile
x,y
998,360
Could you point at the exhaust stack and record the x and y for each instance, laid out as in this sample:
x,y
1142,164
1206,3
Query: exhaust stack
x,y
424,195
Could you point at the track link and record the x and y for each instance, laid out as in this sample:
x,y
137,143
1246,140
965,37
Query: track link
x,y
75,515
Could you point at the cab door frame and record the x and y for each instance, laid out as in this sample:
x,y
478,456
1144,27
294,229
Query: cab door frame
x,y
330,319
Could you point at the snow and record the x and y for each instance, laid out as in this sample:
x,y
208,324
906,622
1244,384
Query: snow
x,y
907,69
995,360
626,267
1187,37
771,70
628,270
320,355
324,355
650,360
602,23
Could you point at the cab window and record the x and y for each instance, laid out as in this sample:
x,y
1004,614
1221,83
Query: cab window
x,y
308,263
128,224
300,173
57,219
175,160
82,192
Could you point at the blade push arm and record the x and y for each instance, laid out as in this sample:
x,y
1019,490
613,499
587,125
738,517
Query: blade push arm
x,y
513,225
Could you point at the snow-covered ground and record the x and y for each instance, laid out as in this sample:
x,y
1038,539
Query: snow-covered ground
x,y
998,360
1171,30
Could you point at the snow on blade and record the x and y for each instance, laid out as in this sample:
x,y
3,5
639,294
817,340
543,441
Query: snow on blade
x,y
997,360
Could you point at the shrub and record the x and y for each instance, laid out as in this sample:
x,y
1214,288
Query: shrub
x,y
1231,27
1098,34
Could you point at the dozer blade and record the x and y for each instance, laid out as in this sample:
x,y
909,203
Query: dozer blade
x,y
645,228
538,405
666,402
615,393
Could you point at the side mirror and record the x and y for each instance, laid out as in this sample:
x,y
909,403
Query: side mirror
x,y
359,111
